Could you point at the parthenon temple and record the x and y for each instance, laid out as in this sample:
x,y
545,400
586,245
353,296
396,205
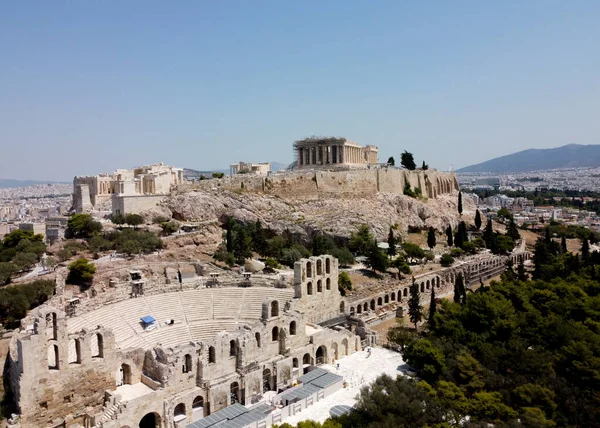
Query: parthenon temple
x,y
318,151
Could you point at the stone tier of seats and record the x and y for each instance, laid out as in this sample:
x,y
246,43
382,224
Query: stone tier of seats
x,y
197,315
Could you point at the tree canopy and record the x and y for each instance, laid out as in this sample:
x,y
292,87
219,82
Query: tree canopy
x,y
408,161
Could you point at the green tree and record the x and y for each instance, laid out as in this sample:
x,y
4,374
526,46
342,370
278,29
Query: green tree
x,y
169,227
415,310
512,231
391,161
13,239
408,161
446,260
431,238
426,358
241,243
24,261
361,240
432,309
521,275
259,238
391,240
229,225
424,167
130,247
344,283
413,252
81,272
134,220
460,207
6,271
504,214
344,256
449,236
118,219
400,264
563,244
477,220
218,174
376,259
82,226
461,235
460,294
585,250
488,233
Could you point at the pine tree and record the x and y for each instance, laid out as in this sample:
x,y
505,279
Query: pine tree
x,y
391,240
229,236
461,235
563,244
259,239
408,161
425,166
477,220
547,237
460,294
391,161
460,210
432,309
585,250
415,310
521,275
431,238
512,231
449,237
488,233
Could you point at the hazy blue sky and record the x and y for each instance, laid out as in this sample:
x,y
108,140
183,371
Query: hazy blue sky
x,y
90,86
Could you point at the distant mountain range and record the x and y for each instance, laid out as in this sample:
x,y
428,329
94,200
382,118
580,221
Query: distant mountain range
x,y
6,183
194,173
569,156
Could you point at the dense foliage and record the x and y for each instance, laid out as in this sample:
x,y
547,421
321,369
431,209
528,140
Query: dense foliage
x,y
19,250
16,300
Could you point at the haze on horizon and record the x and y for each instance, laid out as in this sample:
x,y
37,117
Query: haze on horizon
x,y
89,87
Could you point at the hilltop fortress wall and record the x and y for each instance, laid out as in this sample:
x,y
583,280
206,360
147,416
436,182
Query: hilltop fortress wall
x,y
316,183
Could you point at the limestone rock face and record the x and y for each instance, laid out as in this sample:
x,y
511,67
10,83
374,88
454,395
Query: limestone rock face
x,y
338,216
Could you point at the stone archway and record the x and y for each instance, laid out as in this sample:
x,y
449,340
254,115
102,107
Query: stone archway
x,y
321,355
151,420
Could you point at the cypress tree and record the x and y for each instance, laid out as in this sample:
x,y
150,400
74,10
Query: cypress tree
x,y
547,237
477,220
415,312
585,250
431,238
460,210
460,294
521,275
563,244
449,237
229,235
432,309
512,231
488,233
391,240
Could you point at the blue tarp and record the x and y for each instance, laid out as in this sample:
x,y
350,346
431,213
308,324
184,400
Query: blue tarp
x,y
148,319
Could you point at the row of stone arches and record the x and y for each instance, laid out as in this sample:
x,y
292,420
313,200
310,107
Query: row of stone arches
x,y
309,286
74,351
319,267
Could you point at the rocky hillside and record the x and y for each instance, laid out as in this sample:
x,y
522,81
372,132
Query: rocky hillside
x,y
335,216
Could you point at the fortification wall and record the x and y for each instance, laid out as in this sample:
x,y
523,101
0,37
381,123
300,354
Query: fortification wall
x,y
318,183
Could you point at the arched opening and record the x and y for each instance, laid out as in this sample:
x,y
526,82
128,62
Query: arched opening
x,y
379,301
427,285
306,363
74,351
97,346
53,360
295,363
275,334
438,281
319,286
342,307
393,296
274,308
334,347
373,304
293,328
257,337
327,266
151,420
266,380
319,267
232,348
352,310
51,326
321,355
179,413
309,270
386,299
234,392
212,355
187,363
405,293
124,375
359,309
422,287
365,307
309,290
345,346
328,283
198,408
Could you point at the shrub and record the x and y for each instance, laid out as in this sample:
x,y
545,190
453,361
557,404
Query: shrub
x,y
456,252
159,219
16,300
82,226
271,263
344,283
169,227
81,272
446,260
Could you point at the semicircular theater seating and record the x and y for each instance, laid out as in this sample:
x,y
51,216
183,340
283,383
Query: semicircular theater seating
x,y
197,315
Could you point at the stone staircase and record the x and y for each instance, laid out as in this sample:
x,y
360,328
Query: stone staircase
x,y
111,410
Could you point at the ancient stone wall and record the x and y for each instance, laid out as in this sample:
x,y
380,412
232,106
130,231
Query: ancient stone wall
x,y
135,204
353,182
